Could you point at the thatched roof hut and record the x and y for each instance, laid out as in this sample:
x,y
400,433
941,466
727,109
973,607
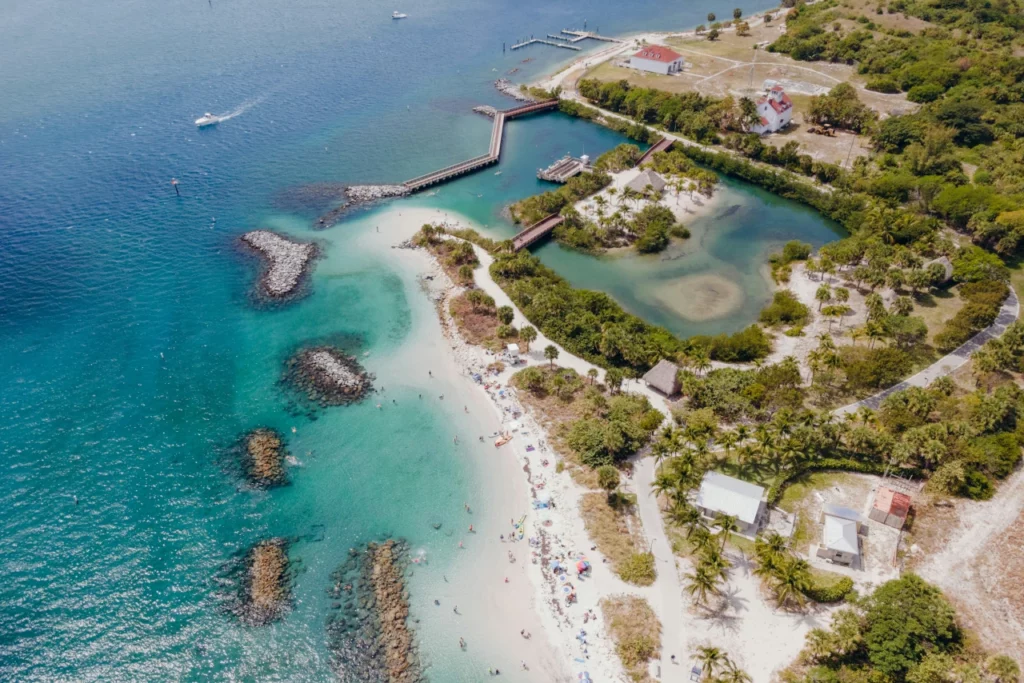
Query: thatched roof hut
x,y
663,377
647,177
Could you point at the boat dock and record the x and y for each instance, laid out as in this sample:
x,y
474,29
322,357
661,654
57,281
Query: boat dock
x,y
552,43
582,35
565,168
537,231
493,150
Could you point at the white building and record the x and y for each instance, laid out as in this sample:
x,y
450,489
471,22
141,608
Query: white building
x,y
840,537
657,59
775,110
722,494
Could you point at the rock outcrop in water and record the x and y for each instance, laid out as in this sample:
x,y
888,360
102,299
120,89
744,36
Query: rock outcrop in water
x,y
285,263
507,87
263,454
368,631
264,585
327,376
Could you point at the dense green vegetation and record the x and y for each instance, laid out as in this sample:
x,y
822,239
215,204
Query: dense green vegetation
x,y
905,630
691,114
593,326
533,209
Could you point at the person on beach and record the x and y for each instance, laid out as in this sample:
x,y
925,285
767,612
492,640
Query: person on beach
x,y
466,505
455,609
471,529
460,544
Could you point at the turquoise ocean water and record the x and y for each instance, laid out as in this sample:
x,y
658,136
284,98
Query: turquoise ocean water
x,y
130,355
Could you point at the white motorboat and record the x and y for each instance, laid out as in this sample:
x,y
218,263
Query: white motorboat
x,y
398,15
207,119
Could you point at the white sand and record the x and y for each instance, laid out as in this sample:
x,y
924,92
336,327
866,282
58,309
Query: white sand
x,y
763,639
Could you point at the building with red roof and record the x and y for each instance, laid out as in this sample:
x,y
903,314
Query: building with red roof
x,y
657,59
775,110
890,508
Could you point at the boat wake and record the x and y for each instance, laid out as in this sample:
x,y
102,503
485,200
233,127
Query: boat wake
x,y
244,107
213,119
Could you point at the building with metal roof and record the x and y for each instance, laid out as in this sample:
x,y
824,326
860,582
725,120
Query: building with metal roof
x,y
725,495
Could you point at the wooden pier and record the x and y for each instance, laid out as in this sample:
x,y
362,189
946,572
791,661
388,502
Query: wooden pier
x,y
659,146
582,35
531,41
493,150
537,231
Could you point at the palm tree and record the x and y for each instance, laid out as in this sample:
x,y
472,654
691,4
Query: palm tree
x,y
701,359
715,563
528,334
728,441
823,295
727,524
551,353
734,674
591,373
791,578
710,658
612,192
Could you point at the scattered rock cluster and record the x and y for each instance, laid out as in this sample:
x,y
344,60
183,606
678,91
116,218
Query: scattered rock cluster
x,y
264,587
507,87
286,263
327,376
368,631
263,454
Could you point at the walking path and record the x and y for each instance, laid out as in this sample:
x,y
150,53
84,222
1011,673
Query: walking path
x,y
1008,313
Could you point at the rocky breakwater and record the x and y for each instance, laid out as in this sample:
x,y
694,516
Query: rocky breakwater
x,y
263,453
368,630
286,263
360,194
507,87
327,376
264,584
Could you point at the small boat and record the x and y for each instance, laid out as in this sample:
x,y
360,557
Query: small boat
x,y
505,438
207,119
497,173
398,15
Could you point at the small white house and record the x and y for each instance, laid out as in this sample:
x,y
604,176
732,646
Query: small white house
x,y
775,110
657,59
840,535
722,494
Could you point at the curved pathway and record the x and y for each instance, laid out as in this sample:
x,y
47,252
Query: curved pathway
x,y
1008,313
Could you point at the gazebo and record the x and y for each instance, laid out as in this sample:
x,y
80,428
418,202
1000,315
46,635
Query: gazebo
x,y
663,377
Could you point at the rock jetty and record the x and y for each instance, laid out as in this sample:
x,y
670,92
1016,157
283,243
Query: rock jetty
x,y
368,630
360,194
507,87
327,376
286,263
265,584
263,455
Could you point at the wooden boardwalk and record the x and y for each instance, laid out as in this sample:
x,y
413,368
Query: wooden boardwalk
x,y
537,231
493,150
659,146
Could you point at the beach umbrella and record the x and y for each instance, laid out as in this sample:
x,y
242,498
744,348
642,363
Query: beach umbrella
x,y
582,566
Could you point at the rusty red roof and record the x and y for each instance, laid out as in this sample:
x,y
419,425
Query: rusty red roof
x,y
658,53
892,502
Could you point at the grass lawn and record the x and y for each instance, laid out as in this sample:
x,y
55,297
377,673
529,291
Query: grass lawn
x,y
938,307
799,499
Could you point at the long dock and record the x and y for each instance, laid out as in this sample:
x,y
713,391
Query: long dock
x,y
493,150
659,146
552,43
538,230
582,35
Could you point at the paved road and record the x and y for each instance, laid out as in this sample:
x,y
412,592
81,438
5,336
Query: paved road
x,y
1008,313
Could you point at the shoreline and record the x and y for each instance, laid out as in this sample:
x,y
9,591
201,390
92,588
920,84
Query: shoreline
x,y
528,474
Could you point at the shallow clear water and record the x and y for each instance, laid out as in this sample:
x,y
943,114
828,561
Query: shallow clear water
x,y
130,355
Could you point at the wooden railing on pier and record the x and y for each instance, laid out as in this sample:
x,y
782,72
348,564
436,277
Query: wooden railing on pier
x,y
493,150
540,229
659,146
